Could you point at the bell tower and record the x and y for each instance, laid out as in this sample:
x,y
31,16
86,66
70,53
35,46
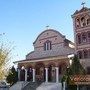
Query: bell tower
x,y
81,27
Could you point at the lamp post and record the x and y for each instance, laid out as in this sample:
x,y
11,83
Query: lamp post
x,y
67,81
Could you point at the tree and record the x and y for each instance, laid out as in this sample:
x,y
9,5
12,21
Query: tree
x,y
76,68
12,76
5,51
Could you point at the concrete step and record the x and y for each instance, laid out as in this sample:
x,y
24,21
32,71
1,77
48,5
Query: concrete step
x,y
32,86
19,85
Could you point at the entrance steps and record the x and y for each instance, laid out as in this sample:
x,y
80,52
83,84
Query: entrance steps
x,y
50,86
19,85
32,86
22,85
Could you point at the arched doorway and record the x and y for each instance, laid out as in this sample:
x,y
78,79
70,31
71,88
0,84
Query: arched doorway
x,y
40,72
29,73
51,72
62,69
22,74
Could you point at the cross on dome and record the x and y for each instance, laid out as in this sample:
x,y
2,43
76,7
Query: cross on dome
x,y
47,26
83,3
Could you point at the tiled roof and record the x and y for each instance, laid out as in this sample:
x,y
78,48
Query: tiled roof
x,y
50,53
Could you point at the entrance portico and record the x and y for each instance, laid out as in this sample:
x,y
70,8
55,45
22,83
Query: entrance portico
x,y
34,78
47,71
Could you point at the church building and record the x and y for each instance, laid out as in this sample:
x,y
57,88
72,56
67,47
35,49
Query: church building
x,y
49,60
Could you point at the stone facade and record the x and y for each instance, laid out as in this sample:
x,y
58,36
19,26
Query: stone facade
x,y
50,39
49,58
81,25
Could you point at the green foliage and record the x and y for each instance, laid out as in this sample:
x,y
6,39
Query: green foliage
x,y
76,68
72,87
12,76
64,78
4,58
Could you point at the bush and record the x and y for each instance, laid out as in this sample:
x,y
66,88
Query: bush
x,y
12,76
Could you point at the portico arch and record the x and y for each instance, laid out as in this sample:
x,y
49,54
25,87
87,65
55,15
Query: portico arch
x,y
62,68
51,71
22,74
40,71
29,73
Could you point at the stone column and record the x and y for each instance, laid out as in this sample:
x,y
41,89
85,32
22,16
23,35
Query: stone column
x,y
25,74
64,85
33,75
46,76
18,74
57,74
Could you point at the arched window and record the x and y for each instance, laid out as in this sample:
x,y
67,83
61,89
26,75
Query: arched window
x,y
88,21
88,36
77,22
47,45
83,22
79,39
80,56
85,53
84,37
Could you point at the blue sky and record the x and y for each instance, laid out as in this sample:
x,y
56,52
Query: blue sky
x,y
23,20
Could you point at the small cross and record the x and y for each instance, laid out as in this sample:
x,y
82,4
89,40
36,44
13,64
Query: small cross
x,y
47,26
83,3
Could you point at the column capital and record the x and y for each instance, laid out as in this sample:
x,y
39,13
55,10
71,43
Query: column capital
x,y
33,69
56,67
46,67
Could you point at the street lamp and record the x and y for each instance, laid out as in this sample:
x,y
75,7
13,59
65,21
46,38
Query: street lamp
x,y
67,81
70,59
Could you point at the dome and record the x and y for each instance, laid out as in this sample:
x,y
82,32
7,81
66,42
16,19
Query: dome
x,y
46,31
